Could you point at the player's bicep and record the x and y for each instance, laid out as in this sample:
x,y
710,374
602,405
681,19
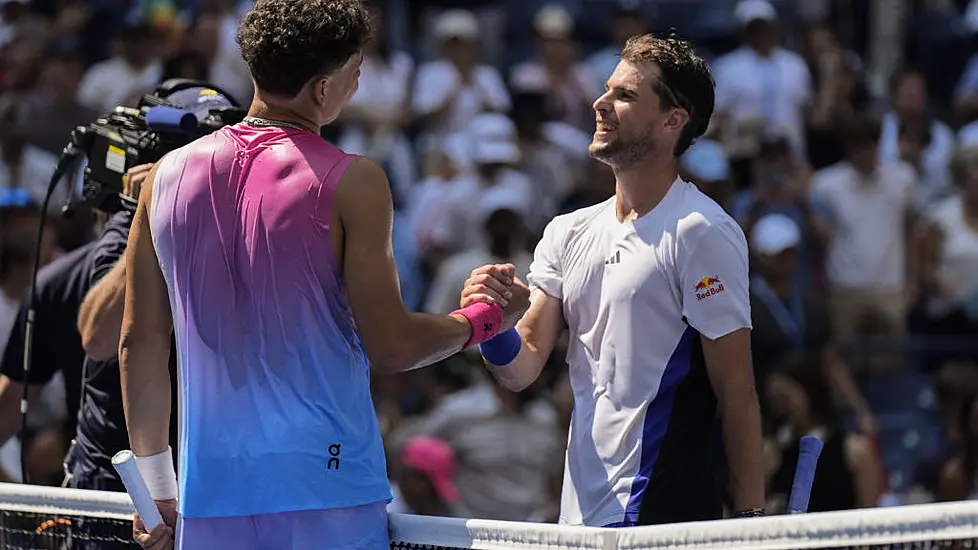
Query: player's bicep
x,y
729,364
365,208
714,282
147,307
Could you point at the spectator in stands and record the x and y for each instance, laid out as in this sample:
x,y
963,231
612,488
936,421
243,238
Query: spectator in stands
x,y
760,85
426,479
228,69
551,165
22,54
506,445
18,226
52,108
16,261
375,120
839,94
849,472
556,72
494,152
949,262
779,184
452,90
133,71
788,321
955,385
627,21
427,209
872,268
502,213
909,105
22,165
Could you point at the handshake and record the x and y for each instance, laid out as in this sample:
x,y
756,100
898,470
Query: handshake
x,y
498,284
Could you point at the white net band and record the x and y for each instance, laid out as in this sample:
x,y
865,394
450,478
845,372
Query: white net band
x,y
953,525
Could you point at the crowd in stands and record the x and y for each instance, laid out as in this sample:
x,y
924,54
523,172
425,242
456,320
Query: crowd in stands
x,y
860,208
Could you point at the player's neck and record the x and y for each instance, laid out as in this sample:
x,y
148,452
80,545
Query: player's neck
x,y
280,113
639,188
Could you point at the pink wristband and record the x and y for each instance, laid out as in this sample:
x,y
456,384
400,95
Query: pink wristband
x,y
485,320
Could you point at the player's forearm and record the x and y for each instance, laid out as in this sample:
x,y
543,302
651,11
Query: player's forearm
x,y
146,392
744,447
521,372
100,315
422,340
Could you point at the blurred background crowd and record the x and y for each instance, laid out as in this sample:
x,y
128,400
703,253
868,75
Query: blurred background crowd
x,y
845,141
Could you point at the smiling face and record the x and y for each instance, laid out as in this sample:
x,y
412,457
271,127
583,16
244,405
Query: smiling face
x,y
633,122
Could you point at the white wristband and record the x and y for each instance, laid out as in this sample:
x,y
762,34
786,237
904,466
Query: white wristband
x,y
159,475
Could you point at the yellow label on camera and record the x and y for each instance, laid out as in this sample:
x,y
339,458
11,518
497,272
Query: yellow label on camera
x,y
115,159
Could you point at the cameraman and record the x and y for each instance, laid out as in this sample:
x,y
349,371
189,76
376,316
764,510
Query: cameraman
x,y
101,422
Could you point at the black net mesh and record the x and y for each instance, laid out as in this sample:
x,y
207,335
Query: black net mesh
x,y
41,531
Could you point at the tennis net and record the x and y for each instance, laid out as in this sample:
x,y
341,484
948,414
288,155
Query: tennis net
x,y
42,518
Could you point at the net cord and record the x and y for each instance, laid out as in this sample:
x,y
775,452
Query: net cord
x,y
876,526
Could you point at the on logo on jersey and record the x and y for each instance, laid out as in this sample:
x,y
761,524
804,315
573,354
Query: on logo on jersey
x,y
708,286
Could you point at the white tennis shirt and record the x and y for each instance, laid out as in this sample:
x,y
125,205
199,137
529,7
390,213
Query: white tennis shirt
x,y
636,297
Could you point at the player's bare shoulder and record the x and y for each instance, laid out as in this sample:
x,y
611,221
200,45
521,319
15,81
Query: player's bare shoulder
x,y
363,187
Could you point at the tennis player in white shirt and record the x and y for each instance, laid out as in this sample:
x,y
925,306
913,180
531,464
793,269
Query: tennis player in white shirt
x,y
653,285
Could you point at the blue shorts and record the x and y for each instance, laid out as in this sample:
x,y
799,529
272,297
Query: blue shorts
x,y
359,528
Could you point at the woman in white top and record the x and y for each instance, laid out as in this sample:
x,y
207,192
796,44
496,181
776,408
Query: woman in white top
x,y
949,260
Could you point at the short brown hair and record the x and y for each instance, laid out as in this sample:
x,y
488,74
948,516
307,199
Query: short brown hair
x,y
286,43
685,82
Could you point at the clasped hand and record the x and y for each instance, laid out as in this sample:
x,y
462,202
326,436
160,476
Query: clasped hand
x,y
498,284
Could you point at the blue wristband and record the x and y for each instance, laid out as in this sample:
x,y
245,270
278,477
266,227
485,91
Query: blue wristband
x,y
503,348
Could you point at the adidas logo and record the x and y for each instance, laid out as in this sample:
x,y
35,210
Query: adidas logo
x,y
616,259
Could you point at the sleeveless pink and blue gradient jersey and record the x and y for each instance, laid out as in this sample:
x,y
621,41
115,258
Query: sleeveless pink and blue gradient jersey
x,y
275,407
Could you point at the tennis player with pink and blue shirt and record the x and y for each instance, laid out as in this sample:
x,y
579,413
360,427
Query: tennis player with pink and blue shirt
x,y
267,253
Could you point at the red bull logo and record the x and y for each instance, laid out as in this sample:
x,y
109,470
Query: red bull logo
x,y
708,286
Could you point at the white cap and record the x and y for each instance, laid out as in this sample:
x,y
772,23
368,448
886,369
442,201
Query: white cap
x,y
494,139
501,197
773,234
752,10
553,22
456,24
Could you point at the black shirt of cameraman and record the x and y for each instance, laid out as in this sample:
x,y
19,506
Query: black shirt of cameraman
x,y
101,420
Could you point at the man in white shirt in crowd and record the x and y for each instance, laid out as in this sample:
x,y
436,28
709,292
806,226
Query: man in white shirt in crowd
x,y
760,85
653,285
871,262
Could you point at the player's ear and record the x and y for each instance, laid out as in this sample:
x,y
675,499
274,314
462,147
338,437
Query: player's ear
x,y
320,90
678,118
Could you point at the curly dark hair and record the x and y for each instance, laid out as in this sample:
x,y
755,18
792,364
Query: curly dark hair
x,y
287,43
686,81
